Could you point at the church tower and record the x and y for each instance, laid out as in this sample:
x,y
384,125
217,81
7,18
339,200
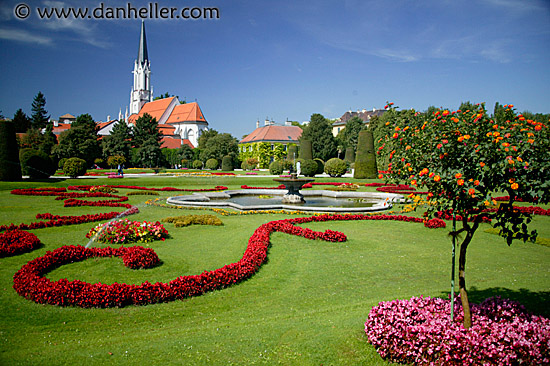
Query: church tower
x,y
142,91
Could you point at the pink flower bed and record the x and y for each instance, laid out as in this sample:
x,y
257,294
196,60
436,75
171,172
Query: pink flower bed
x,y
125,231
419,331
30,282
16,242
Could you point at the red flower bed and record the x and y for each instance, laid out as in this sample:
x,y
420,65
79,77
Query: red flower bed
x,y
16,241
531,210
419,331
244,186
222,173
30,282
399,188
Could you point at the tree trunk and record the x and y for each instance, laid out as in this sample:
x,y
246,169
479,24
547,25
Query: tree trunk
x,y
461,273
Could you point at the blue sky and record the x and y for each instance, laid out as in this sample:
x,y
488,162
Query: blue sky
x,y
284,59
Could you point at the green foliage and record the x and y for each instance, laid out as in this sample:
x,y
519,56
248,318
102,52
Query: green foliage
x,y
336,167
116,160
186,220
308,167
276,167
319,132
10,168
211,164
80,140
205,136
39,116
147,138
21,121
185,152
61,162
171,157
365,161
320,166
48,140
350,133
291,152
118,142
142,193
245,166
36,164
306,151
219,145
350,155
197,164
74,167
185,163
227,163
32,139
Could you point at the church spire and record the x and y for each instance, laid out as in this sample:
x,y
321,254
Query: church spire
x,y
142,51
141,92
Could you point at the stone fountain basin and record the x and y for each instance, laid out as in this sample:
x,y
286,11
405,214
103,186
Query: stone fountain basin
x,y
379,200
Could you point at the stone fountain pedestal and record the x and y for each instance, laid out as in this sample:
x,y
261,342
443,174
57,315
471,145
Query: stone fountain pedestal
x,y
293,185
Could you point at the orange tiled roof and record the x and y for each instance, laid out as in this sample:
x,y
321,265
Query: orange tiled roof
x,y
155,108
60,128
274,134
189,112
174,142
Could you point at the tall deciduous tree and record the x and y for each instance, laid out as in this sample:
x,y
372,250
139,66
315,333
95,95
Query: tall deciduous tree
x,y
21,121
463,158
80,141
147,138
118,142
205,136
39,116
220,145
319,132
350,133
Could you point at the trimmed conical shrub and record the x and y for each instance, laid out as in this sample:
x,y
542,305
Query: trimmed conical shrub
x,y
10,168
350,155
227,163
365,161
306,151
291,153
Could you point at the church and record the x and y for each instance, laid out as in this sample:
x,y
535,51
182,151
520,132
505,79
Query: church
x,y
179,123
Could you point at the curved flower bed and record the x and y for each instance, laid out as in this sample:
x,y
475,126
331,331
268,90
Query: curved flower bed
x,y
16,242
30,282
419,331
126,231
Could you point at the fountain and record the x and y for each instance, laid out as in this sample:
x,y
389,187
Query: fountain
x,y
293,186
291,198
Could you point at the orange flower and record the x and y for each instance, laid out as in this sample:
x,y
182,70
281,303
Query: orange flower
x,y
466,137
514,186
486,203
460,182
437,178
439,146
538,127
413,182
476,182
397,128
445,112
460,138
380,176
471,192
505,144
408,147
395,135
482,164
458,175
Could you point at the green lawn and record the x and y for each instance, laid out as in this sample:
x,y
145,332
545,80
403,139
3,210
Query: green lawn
x,y
306,306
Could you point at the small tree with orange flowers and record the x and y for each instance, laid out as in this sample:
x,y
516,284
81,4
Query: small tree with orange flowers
x,y
463,159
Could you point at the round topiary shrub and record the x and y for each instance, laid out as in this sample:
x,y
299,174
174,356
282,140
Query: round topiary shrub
x,y
116,160
308,167
287,164
320,166
211,164
36,164
61,162
197,164
336,167
74,167
276,168
227,163
245,166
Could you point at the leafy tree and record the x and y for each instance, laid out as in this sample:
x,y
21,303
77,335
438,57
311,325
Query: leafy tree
x,y
118,142
21,121
39,114
218,146
147,138
163,96
499,113
31,139
350,133
319,132
80,141
462,158
185,152
205,136
48,140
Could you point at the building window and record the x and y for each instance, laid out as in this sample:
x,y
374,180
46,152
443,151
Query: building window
x,y
272,147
